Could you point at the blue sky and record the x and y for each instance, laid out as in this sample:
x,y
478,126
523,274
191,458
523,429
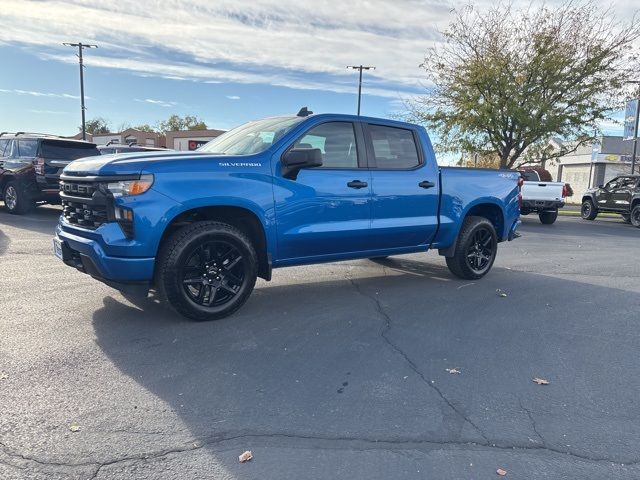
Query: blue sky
x,y
226,61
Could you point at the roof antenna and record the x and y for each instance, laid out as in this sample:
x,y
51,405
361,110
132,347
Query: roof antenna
x,y
304,112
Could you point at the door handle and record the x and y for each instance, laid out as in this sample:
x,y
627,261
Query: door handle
x,y
357,184
426,184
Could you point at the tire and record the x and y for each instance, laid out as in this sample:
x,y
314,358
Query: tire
x,y
379,258
15,199
635,216
476,249
207,270
588,210
548,217
626,218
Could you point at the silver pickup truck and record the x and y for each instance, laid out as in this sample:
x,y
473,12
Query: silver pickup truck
x,y
543,198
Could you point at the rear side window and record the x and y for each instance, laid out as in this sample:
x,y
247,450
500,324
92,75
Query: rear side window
x,y
394,147
3,145
27,148
336,141
67,150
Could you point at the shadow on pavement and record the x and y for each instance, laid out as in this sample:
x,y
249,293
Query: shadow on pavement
x,y
41,220
364,359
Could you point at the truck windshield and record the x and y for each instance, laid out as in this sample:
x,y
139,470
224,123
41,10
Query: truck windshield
x,y
252,137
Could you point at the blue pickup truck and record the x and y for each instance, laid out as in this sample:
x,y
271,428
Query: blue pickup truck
x,y
199,227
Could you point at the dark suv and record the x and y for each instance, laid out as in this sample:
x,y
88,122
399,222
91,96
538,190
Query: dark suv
x,y
30,167
620,195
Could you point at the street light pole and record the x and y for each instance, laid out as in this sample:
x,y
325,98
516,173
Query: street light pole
x,y
635,128
360,68
81,46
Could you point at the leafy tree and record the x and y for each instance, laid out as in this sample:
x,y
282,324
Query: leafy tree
x,y
176,122
96,126
506,80
145,128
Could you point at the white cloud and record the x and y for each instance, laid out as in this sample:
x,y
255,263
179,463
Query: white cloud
x,y
233,97
233,40
161,103
34,93
47,112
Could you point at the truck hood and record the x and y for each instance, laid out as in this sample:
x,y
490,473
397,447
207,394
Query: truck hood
x,y
126,163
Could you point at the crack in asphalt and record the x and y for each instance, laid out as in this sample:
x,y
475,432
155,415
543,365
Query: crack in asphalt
x,y
534,426
383,333
362,443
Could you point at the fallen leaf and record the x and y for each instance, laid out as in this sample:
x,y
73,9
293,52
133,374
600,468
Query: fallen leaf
x,y
74,428
452,370
541,381
245,457
4,376
501,472
501,293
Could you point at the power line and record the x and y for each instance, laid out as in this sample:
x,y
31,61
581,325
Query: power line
x,y
81,46
360,68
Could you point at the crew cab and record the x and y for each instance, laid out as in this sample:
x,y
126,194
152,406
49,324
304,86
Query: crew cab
x,y
30,167
542,197
620,195
199,227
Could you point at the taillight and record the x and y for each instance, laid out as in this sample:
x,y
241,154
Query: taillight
x,y
520,181
38,164
565,191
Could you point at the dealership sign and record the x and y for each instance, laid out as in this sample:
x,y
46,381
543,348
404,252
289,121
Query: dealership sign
x,y
630,115
195,144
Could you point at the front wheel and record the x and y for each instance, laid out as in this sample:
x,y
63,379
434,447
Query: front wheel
x,y
476,249
635,216
15,199
588,210
626,218
207,270
548,217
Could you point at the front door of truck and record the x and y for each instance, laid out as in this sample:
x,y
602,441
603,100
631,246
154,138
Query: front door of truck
x,y
405,188
325,211
620,198
603,195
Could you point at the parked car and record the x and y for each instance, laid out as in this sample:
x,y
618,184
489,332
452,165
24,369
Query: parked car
x,y
620,195
111,148
30,167
200,226
542,197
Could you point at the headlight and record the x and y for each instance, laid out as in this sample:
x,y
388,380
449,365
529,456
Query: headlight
x,y
130,187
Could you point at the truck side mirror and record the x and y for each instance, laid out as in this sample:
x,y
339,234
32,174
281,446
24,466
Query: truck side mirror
x,y
298,158
600,186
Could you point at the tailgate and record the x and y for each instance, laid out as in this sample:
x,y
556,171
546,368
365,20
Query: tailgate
x,y
542,190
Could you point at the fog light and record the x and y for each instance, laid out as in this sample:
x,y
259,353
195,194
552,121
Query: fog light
x,y
124,217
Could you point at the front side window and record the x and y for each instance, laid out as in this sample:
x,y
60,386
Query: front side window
x,y
394,147
336,141
252,137
613,184
27,148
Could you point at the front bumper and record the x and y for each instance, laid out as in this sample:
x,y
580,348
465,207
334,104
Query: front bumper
x,y
88,256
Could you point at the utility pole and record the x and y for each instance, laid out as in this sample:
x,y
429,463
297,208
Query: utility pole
x,y
360,68
81,46
635,128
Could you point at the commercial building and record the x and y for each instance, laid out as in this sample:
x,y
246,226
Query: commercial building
x,y
592,164
175,140
190,139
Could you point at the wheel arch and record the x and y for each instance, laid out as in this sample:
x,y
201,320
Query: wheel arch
x,y
242,218
487,209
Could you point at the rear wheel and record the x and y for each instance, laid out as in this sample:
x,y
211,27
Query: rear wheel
x,y
16,201
476,249
588,210
548,217
207,270
635,216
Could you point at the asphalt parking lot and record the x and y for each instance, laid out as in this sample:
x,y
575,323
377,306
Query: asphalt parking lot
x,y
330,371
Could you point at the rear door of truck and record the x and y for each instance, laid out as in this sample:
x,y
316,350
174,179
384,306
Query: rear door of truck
x,y
405,187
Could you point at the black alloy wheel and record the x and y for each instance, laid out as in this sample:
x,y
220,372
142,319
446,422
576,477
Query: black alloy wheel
x,y
481,250
588,210
213,274
635,216
206,270
475,250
